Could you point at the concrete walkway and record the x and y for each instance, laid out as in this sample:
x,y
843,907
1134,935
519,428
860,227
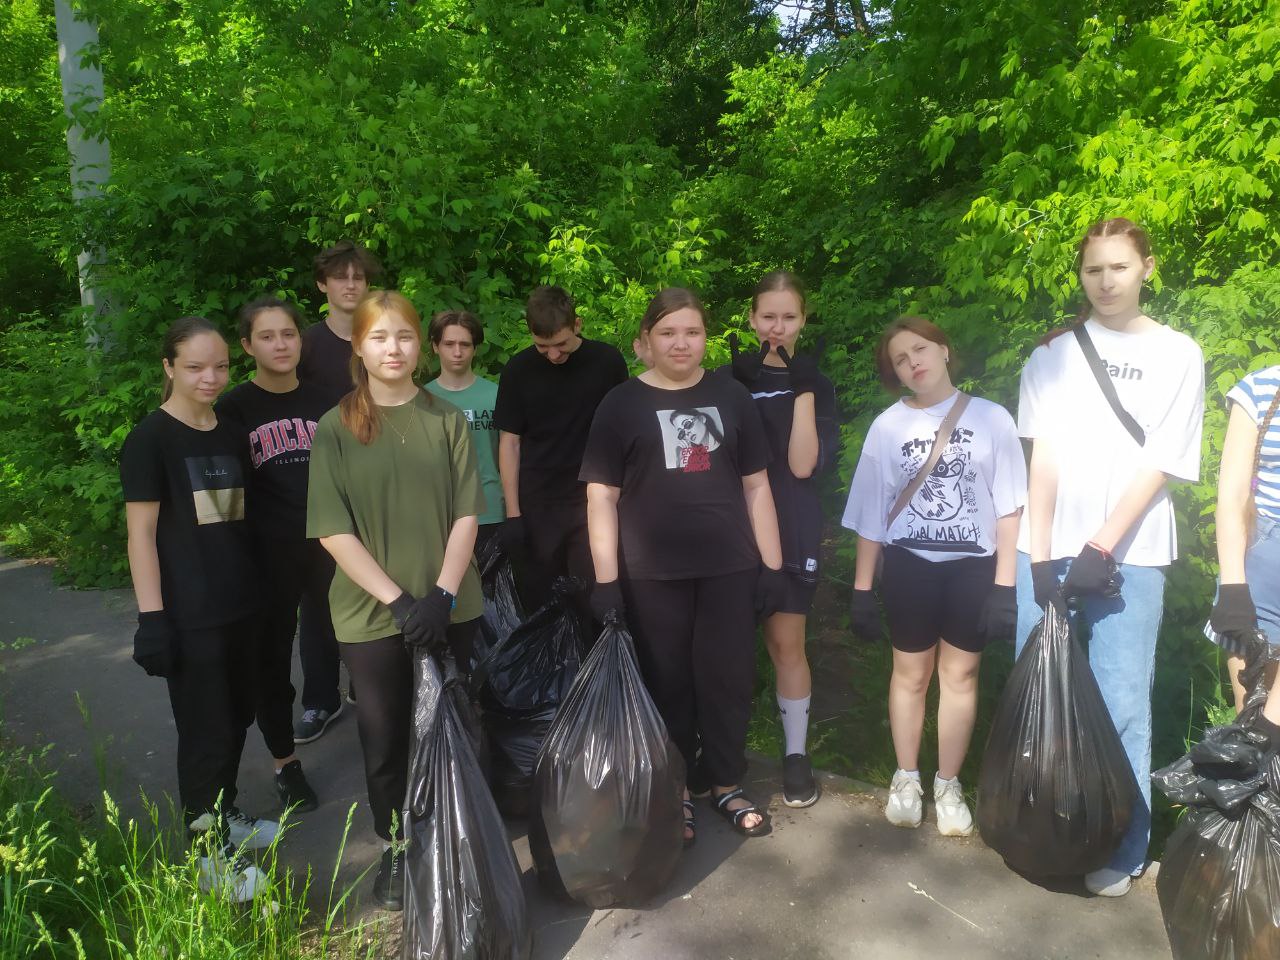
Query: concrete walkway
x,y
833,881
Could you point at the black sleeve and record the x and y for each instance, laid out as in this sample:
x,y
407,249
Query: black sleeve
x,y
604,459
618,368
508,411
824,406
142,466
753,445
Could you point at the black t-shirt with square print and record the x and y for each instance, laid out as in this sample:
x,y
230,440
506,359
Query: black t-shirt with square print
x,y
679,457
207,573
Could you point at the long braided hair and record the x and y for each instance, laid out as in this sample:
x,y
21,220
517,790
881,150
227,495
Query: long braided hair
x,y
1252,515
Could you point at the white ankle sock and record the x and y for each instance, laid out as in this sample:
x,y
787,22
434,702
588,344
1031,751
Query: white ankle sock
x,y
795,723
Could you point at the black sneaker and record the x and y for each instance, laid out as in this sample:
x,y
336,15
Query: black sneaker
x,y
295,793
799,789
313,724
388,885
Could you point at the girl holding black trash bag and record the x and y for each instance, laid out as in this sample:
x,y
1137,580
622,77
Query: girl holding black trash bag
x,y
184,473
797,405
394,494
685,543
1114,412
937,493
1248,524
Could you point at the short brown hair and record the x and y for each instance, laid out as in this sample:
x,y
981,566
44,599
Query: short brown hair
x,y
455,318
334,261
921,327
549,310
669,301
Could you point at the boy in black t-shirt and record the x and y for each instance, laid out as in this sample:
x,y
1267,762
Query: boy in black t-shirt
x,y
547,396
275,416
342,274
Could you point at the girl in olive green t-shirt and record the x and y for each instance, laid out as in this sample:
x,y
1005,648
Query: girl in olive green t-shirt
x,y
393,496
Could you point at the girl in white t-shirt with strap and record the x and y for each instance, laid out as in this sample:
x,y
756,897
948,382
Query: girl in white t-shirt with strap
x,y
1099,528
948,552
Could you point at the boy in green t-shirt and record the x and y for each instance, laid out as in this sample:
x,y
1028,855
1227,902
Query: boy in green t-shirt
x,y
455,335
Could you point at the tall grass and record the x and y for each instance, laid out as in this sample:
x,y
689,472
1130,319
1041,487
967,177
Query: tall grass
x,y
103,886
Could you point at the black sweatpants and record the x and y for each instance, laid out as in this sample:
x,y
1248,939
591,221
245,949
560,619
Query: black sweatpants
x,y
295,571
695,640
382,671
558,545
317,645
212,697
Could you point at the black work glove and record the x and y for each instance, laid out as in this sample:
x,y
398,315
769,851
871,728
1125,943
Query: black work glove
x,y
155,644
746,366
771,592
1045,585
999,619
864,616
803,370
606,600
512,536
1093,571
424,622
1234,613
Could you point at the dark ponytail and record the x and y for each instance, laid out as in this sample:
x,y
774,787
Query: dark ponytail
x,y
1114,227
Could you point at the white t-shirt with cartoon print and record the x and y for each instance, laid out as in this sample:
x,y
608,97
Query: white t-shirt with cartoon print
x,y
980,477
1159,377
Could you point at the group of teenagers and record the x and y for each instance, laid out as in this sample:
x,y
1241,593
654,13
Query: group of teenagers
x,y
333,497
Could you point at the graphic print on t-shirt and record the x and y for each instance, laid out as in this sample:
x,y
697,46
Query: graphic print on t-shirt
x,y
275,438
943,515
217,488
690,436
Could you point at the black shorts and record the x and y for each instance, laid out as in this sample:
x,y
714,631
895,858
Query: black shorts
x,y
926,600
799,595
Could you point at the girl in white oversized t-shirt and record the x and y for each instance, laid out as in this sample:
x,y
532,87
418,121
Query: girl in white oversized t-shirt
x,y
1099,525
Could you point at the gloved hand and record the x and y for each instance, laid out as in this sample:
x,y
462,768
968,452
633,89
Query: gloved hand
x,y
864,616
606,600
1234,612
1045,585
424,622
999,618
1093,571
771,592
746,366
155,644
803,369
512,536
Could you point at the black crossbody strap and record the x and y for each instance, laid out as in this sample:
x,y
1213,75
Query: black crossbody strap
x,y
1104,382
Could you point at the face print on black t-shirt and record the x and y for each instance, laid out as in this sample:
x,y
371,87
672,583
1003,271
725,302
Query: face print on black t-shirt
x,y
217,488
690,436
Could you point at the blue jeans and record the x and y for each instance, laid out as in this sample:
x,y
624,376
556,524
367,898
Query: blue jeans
x,y
1122,635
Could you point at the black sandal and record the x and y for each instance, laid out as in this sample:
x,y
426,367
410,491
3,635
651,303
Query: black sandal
x,y
689,824
735,817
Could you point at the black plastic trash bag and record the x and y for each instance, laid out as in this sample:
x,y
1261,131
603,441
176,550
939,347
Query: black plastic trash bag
x,y
1056,793
522,682
502,611
463,896
606,825
1219,882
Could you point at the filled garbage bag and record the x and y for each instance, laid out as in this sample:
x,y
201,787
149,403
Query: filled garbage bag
x,y
606,824
463,897
1055,793
522,681
502,611
1219,882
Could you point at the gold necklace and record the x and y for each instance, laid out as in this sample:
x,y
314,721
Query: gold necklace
x,y
391,423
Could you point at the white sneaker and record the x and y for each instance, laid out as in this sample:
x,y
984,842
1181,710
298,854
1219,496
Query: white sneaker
x,y
250,833
1108,882
954,818
226,874
906,800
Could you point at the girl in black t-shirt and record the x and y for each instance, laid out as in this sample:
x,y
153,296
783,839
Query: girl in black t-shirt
x,y
680,517
797,406
183,473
